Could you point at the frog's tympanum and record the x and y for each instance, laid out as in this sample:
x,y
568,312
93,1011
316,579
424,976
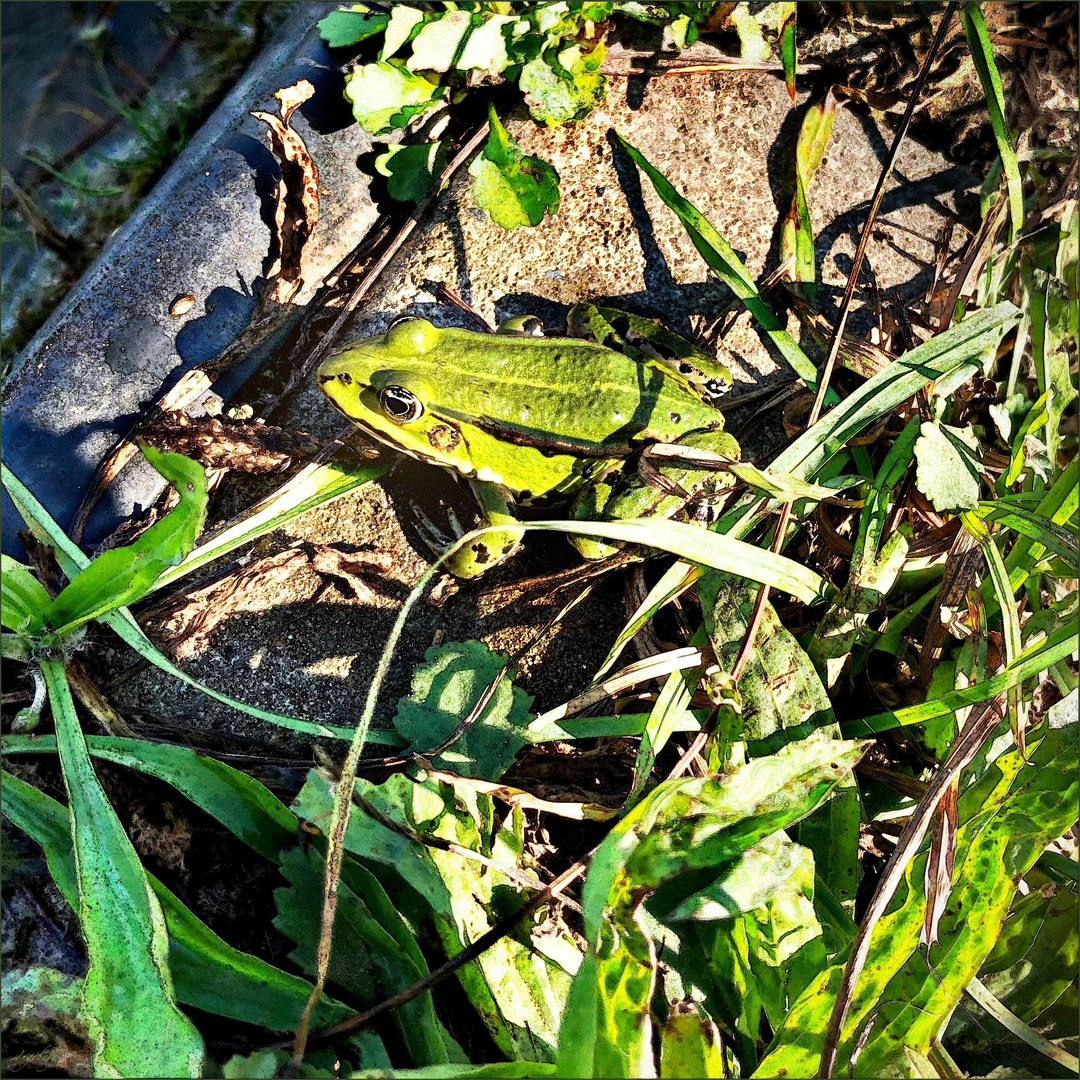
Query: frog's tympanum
x,y
529,420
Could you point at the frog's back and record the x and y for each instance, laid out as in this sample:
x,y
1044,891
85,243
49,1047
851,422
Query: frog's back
x,y
581,391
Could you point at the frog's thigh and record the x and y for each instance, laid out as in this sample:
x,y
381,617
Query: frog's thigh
x,y
630,496
491,548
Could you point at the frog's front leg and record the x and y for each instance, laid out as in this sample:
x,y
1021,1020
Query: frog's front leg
x,y
490,549
616,497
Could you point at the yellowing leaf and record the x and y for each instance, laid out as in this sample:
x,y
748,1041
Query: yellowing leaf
x,y
385,97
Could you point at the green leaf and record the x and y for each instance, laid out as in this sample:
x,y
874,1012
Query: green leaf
x,y
1006,819
513,188
783,699
788,47
315,485
238,801
312,487
947,475
349,26
370,959
683,830
445,688
437,45
779,688
384,96
128,1003
208,973
411,171
508,1070
690,1045
23,599
122,575
751,964
517,987
1052,537
1036,658
1034,960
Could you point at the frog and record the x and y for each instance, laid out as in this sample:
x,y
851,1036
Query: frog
x,y
532,421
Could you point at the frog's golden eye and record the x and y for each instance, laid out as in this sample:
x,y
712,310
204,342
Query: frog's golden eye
x,y
400,405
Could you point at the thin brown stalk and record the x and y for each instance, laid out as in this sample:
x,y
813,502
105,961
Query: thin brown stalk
x,y
459,960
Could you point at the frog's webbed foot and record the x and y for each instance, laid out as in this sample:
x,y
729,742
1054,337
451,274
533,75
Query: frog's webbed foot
x,y
434,538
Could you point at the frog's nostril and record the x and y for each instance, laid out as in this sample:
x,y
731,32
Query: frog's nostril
x,y
345,377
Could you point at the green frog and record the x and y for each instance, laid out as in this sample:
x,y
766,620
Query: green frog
x,y
530,420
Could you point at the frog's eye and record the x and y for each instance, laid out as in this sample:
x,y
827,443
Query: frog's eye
x,y
400,405
409,336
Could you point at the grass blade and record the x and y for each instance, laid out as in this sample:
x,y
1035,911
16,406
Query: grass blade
x,y
238,801
721,257
963,343
128,1003
316,485
1034,659
983,55
704,547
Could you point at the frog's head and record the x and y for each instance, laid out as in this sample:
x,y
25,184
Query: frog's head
x,y
381,384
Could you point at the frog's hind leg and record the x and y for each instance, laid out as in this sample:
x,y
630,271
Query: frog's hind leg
x,y
631,495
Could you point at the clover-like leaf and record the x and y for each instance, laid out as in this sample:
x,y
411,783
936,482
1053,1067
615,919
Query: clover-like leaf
x,y
563,88
437,45
385,96
948,473
444,691
514,188
351,25
411,171
486,48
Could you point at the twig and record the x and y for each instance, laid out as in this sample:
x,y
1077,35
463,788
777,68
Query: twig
x,y
459,960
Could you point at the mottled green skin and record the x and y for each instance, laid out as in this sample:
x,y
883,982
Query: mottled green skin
x,y
526,419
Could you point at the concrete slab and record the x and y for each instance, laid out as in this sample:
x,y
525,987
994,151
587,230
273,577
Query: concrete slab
x,y
722,138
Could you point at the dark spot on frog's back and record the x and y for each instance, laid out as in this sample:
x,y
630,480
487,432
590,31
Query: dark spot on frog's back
x,y
443,437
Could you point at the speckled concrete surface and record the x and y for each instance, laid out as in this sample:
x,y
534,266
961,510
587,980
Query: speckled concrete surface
x,y
721,139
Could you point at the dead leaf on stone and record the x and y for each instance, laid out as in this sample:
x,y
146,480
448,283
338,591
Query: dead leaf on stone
x,y
243,446
350,568
297,211
188,622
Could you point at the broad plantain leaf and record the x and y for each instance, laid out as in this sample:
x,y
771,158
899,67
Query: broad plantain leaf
x,y
444,690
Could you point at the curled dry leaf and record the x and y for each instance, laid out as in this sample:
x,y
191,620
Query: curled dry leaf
x,y
297,211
